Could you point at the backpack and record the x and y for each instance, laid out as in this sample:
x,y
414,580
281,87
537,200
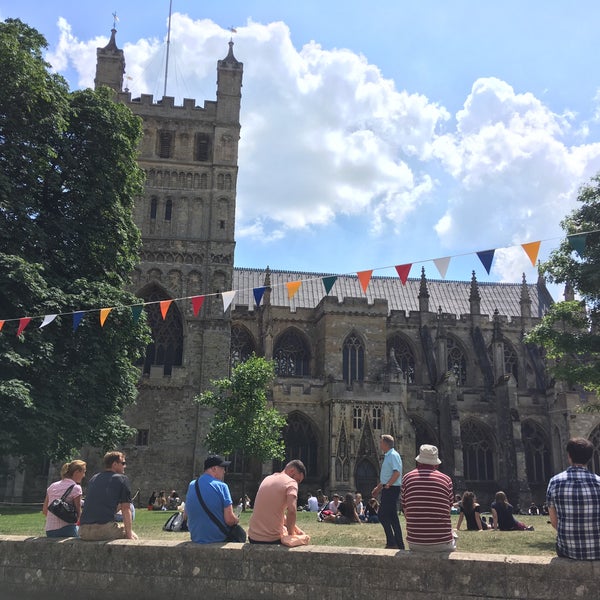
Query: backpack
x,y
175,522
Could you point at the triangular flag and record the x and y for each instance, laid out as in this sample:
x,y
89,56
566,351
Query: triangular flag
x,y
532,249
292,288
164,308
228,299
1,325
577,242
47,320
403,271
441,264
258,294
364,277
328,283
136,311
197,302
104,312
22,324
486,257
77,316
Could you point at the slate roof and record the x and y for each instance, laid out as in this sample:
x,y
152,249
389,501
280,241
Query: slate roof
x,y
452,296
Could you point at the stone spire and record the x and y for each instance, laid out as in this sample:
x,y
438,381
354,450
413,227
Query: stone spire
x,y
423,293
525,300
110,65
474,297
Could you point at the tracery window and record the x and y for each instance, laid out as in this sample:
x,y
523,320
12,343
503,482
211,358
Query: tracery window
x,y
242,345
478,452
403,355
424,433
457,363
301,442
376,417
153,207
357,417
202,147
538,460
165,144
353,360
291,355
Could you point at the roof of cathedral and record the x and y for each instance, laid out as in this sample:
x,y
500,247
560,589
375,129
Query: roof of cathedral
x,y
451,296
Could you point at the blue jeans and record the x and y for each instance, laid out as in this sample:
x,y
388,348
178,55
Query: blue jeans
x,y
66,531
388,516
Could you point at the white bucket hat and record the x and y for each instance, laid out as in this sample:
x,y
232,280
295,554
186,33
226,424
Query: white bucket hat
x,y
428,455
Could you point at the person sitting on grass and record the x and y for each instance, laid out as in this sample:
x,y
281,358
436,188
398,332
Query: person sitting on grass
x,y
371,510
346,513
470,511
504,519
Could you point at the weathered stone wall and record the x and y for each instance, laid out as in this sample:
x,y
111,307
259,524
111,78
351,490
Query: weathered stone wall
x,y
35,568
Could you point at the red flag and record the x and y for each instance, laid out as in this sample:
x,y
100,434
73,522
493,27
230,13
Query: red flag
x,y
197,302
22,324
403,271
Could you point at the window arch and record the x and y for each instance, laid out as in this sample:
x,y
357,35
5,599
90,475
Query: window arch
x,y
478,451
153,207
424,433
595,462
353,359
301,441
457,363
291,355
538,461
404,356
166,348
242,345
168,209
511,361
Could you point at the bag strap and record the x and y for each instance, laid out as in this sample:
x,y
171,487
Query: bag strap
x,y
67,492
214,519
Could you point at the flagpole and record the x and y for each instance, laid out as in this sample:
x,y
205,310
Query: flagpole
x,y
168,44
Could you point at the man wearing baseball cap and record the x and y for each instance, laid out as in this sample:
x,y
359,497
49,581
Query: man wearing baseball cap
x,y
427,498
216,496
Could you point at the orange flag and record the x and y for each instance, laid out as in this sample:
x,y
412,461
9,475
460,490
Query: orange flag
x,y
364,277
532,249
292,288
104,312
403,271
1,325
164,308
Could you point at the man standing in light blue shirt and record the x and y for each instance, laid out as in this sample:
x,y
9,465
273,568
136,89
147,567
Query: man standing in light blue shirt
x,y
390,480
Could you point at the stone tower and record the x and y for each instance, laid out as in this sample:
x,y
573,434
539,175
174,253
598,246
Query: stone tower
x,y
189,154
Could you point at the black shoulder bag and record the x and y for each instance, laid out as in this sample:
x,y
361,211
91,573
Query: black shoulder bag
x,y
235,533
62,509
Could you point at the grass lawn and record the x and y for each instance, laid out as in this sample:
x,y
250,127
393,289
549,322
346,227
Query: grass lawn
x,y
148,525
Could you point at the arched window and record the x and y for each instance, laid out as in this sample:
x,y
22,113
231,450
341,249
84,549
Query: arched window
x,y
404,356
538,460
202,147
168,209
166,348
353,360
301,442
424,433
291,355
153,207
511,362
376,414
595,462
478,452
242,345
457,363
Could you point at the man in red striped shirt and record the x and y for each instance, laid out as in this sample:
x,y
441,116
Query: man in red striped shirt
x,y
427,498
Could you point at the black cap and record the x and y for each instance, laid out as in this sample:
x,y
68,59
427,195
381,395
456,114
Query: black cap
x,y
214,460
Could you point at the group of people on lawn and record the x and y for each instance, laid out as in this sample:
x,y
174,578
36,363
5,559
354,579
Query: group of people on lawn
x,y
425,493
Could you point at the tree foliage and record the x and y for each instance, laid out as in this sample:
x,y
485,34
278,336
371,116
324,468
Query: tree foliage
x,y
68,178
570,330
242,421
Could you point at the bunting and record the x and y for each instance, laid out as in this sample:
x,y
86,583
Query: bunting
x,y
292,288
77,317
364,277
164,307
486,257
577,242
136,312
328,283
228,299
403,271
197,302
47,320
1,325
258,294
441,264
104,312
532,249
22,324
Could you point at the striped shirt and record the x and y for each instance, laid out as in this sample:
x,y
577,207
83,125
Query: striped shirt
x,y
575,494
427,498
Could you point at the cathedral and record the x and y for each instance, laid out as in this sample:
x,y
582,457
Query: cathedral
x,y
428,361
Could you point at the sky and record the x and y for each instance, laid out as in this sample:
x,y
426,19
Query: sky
x,y
374,134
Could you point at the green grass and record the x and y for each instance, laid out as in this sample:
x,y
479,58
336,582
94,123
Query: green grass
x,y
148,525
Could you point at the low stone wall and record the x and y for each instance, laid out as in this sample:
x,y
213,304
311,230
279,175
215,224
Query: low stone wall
x,y
35,568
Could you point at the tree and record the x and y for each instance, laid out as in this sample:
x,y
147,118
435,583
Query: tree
x,y
68,179
242,421
570,330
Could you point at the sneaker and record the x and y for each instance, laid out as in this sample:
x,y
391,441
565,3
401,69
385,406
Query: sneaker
x,y
531,528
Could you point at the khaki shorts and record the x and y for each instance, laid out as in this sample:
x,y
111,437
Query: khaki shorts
x,y
102,531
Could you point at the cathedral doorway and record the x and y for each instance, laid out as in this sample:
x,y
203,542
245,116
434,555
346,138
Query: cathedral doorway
x,y
366,477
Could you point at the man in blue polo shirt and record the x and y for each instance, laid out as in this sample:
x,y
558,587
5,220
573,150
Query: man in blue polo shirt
x,y
573,499
390,480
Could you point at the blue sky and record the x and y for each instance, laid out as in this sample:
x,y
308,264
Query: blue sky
x,y
375,134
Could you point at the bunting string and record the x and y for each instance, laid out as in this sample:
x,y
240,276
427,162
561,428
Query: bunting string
x,y
577,242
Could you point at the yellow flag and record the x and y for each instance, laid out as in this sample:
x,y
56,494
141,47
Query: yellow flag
x,y
292,288
104,312
532,249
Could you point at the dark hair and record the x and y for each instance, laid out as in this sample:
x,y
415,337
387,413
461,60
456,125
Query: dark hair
x,y
468,501
580,450
298,465
112,457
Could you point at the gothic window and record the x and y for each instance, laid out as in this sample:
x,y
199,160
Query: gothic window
x,y
457,363
202,147
511,362
242,345
220,181
537,453
228,182
357,417
376,414
353,360
166,348
595,462
165,144
424,434
478,452
141,438
168,209
403,355
301,442
153,207
291,355
204,181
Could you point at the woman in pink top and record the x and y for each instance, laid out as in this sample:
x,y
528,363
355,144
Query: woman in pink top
x,y
71,475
